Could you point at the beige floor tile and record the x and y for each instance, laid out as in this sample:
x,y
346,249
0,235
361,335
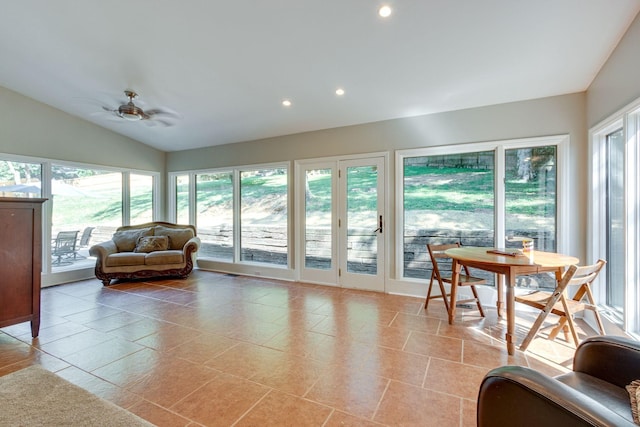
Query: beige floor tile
x,y
178,378
397,365
348,390
341,419
280,409
490,356
221,401
435,346
158,415
454,378
294,374
247,360
409,405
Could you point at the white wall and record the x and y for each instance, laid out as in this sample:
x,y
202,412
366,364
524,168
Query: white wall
x,y
30,128
618,82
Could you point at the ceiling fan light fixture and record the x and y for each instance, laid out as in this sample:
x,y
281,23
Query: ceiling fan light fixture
x,y
130,112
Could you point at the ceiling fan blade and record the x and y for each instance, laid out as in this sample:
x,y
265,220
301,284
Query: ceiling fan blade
x,y
164,113
158,122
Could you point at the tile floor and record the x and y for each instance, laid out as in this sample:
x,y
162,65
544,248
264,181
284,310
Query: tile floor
x,y
221,350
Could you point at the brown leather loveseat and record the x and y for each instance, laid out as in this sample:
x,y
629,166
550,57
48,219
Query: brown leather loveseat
x,y
147,250
594,394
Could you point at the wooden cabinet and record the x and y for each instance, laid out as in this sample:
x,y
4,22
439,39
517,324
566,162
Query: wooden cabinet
x,y
20,261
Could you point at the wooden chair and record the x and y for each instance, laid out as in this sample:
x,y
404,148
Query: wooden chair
x,y
556,302
437,254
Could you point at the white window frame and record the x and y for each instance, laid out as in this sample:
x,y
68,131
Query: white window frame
x,y
50,278
499,147
628,119
237,265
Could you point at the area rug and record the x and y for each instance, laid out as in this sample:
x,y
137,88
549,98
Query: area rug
x,y
36,397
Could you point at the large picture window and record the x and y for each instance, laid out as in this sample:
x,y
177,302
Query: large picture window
x,y
488,195
241,213
615,219
263,216
214,204
447,198
141,198
20,179
82,199
85,204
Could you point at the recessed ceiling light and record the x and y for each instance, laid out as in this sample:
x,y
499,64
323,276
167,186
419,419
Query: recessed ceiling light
x,y
286,103
384,11
339,91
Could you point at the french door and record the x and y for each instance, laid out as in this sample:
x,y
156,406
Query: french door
x,y
341,222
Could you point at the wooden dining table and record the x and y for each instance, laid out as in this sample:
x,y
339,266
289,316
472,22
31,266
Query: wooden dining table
x,y
509,266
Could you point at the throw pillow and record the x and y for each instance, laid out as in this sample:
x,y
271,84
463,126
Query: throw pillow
x,y
178,237
148,244
634,395
126,240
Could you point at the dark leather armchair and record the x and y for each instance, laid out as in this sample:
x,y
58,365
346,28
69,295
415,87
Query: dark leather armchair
x,y
593,394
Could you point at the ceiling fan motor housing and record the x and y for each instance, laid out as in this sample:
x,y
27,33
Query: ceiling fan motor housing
x,y
130,112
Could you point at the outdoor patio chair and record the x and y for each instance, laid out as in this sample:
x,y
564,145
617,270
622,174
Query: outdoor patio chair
x,y
557,303
86,237
64,247
437,254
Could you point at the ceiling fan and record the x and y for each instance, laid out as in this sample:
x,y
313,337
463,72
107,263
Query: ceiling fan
x,y
133,113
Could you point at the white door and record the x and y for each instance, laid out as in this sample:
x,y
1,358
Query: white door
x,y
341,217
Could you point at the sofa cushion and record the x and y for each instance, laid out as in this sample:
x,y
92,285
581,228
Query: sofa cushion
x,y
125,258
126,240
178,237
148,244
164,257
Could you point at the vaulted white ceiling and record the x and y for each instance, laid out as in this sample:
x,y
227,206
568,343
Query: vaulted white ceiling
x,y
224,67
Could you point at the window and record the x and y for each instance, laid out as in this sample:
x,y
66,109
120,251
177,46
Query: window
x,y
318,212
447,198
214,204
615,219
141,198
182,199
485,194
85,205
81,198
241,213
530,195
263,216
20,179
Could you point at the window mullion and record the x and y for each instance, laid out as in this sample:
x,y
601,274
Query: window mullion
x,y
499,198
237,221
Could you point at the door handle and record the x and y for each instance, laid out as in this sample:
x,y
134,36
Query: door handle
x,y
379,229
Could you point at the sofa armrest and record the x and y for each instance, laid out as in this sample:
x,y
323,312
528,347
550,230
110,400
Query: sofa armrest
x,y
103,250
515,395
613,359
192,246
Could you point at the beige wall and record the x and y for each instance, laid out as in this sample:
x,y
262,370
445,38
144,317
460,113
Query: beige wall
x,y
30,128
618,82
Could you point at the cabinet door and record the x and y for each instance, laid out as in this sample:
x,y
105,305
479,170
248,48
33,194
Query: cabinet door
x,y
16,262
